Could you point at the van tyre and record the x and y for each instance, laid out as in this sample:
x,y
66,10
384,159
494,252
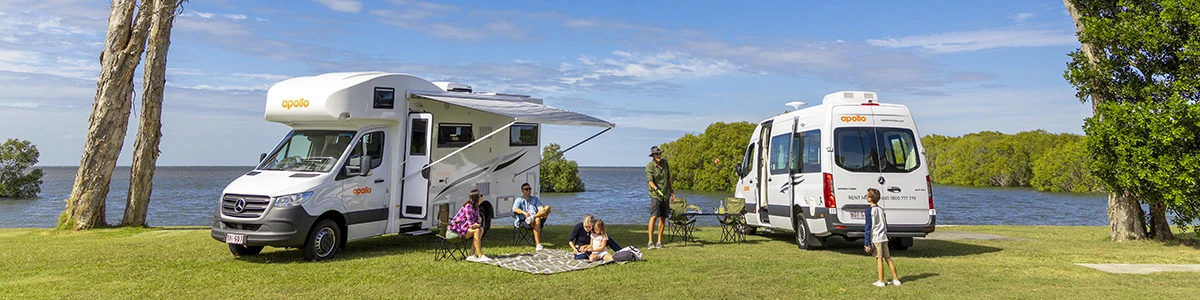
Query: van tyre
x,y
485,221
323,242
804,237
900,243
241,250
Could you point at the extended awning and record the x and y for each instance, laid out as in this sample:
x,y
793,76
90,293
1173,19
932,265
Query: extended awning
x,y
519,108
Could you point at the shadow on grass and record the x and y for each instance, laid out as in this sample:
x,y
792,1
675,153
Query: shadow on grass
x,y
911,278
920,248
389,245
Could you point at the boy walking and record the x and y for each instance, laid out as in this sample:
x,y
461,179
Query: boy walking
x,y
876,237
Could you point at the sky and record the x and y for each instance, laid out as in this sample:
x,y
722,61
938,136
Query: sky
x,y
658,69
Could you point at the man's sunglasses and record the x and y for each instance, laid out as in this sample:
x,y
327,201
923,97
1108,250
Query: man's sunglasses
x,y
527,189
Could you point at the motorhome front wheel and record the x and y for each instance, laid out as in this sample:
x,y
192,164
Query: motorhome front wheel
x,y
322,241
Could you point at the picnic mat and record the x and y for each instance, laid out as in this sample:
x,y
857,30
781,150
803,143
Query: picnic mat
x,y
546,261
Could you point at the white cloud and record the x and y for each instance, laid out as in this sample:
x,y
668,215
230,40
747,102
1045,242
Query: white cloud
x,y
1022,17
346,6
662,66
207,16
980,40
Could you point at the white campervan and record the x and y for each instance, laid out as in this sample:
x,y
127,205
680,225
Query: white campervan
x,y
372,153
808,171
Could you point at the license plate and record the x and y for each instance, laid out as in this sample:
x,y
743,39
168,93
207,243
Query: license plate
x,y
858,215
235,239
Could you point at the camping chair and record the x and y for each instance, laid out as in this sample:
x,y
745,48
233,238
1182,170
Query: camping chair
x,y
732,219
681,225
455,248
522,232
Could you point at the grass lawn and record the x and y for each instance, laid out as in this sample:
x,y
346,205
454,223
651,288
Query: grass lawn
x,y
186,263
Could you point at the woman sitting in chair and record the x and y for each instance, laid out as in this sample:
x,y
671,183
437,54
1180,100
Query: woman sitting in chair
x,y
466,224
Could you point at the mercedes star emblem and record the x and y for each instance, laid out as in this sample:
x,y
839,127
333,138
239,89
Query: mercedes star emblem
x,y
881,181
240,205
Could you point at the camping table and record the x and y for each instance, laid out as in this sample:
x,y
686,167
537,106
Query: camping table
x,y
728,231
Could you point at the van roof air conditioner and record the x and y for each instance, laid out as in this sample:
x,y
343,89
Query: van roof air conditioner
x,y
453,86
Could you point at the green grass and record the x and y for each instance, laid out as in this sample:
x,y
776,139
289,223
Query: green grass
x,y
186,263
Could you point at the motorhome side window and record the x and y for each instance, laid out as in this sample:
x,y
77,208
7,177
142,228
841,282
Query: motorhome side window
x,y
309,151
523,135
855,149
454,135
370,144
807,148
385,98
780,156
899,150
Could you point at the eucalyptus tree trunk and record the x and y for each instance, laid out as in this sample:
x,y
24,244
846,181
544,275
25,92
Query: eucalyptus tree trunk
x,y
1125,219
145,147
1160,229
123,46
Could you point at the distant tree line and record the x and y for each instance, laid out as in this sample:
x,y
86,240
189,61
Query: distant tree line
x,y
705,162
1039,159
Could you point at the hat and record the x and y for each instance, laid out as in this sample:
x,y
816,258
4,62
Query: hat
x,y
654,150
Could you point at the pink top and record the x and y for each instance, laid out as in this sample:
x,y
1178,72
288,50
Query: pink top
x,y
598,242
466,216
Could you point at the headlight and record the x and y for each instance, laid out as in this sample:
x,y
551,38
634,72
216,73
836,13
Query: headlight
x,y
293,199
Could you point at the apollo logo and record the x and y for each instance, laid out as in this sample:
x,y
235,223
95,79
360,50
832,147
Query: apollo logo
x,y
298,103
362,190
855,118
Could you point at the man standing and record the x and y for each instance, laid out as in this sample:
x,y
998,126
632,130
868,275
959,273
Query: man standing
x,y
530,212
658,176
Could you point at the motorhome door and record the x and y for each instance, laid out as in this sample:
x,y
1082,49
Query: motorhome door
x,y
416,188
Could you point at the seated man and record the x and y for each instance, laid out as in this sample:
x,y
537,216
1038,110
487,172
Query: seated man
x,y
530,211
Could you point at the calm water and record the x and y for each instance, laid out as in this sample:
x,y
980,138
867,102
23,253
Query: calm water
x,y
188,196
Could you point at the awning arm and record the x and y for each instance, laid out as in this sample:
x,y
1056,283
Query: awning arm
x,y
468,146
544,159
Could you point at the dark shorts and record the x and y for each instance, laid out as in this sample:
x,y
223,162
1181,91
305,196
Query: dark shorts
x,y
660,208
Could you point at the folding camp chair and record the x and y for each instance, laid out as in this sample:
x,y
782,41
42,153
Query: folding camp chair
x,y
522,233
682,225
731,215
455,248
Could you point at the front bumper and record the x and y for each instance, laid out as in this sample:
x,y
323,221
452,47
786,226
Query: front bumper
x,y
281,227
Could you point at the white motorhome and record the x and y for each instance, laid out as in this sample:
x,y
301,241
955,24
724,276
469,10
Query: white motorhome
x,y
373,153
808,171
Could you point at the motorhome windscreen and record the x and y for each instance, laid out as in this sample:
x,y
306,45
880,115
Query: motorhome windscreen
x,y
309,151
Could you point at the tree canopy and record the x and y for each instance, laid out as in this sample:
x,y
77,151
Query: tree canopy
x,y
16,180
705,162
559,175
1145,65
1037,159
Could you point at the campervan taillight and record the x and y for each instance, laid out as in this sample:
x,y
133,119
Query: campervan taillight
x,y
870,104
929,188
830,202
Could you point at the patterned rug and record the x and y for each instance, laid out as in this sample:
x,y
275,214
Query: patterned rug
x,y
547,261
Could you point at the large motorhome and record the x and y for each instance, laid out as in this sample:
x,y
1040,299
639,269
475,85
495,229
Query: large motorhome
x,y
808,171
373,153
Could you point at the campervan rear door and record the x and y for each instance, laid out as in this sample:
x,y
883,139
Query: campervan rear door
x,y
855,160
905,193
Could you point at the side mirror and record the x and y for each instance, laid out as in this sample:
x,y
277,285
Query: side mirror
x,y
262,157
364,165
425,171
738,169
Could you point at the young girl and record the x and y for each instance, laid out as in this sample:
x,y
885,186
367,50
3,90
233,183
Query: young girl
x,y
599,241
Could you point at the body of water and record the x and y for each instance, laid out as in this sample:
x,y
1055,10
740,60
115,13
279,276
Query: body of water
x,y
188,196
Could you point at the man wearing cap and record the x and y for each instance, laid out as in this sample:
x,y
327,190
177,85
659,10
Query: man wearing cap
x,y
658,176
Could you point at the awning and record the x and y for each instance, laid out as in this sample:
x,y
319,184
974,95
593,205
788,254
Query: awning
x,y
516,107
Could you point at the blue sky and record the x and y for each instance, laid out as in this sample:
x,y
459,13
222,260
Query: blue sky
x,y
659,69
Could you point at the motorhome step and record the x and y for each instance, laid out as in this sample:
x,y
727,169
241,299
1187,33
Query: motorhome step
x,y
418,232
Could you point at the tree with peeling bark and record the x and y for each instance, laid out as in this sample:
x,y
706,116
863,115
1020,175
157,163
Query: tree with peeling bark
x,y
145,153
1137,64
123,47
